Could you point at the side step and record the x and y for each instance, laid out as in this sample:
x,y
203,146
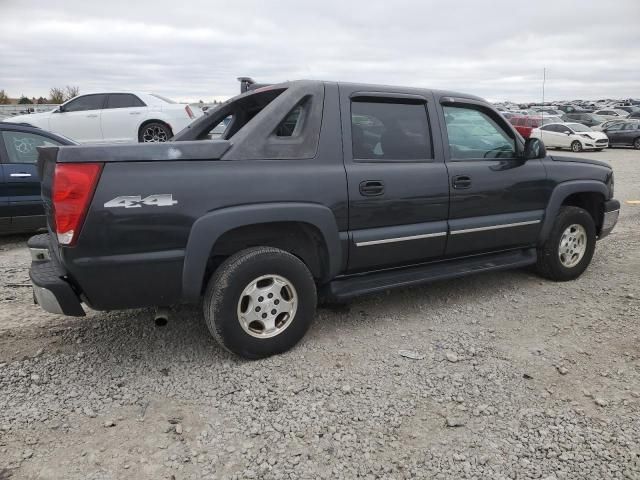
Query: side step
x,y
348,287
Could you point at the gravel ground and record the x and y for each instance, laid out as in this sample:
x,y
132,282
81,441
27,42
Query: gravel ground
x,y
493,376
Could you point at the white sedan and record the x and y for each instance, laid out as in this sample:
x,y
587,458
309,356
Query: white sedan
x,y
612,113
574,136
114,117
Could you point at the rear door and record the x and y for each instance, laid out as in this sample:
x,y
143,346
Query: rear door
x,y
497,198
397,180
121,116
80,119
5,216
630,133
20,154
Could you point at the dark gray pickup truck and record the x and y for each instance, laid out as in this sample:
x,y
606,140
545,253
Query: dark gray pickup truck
x,y
314,189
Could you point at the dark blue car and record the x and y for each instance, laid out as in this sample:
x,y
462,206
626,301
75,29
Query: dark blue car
x,y
21,207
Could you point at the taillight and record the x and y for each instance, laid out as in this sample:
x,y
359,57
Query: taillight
x,y
73,187
189,112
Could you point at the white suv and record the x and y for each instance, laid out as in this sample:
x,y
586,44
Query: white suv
x,y
114,117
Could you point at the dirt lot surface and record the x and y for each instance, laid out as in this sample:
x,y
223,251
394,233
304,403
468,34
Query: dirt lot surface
x,y
511,377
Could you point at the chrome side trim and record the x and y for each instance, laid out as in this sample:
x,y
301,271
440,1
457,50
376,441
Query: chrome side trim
x,y
400,239
494,227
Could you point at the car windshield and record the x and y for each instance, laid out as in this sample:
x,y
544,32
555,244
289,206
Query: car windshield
x,y
598,118
578,127
546,120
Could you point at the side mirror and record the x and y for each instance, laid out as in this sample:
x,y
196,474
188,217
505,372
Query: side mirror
x,y
534,148
567,132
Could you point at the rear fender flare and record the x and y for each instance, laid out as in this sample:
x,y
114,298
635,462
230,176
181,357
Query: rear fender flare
x,y
559,195
209,228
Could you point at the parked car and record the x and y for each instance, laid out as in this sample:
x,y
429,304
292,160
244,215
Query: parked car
x,y
624,134
633,115
21,207
574,136
314,188
546,119
611,113
588,119
600,127
114,117
628,108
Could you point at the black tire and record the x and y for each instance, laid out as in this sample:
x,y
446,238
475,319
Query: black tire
x,y
548,263
576,146
223,294
599,149
154,132
636,143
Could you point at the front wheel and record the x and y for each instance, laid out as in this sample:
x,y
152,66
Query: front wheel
x,y
154,132
636,143
576,146
569,247
260,302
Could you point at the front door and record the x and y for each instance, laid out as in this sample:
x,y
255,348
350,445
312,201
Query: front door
x,y
497,198
79,119
5,216
397,180
20,154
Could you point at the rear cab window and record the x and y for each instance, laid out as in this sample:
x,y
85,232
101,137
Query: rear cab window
x,y
390,129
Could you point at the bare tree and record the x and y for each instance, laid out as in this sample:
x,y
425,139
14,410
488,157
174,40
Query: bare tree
x,y
71,91
4,98
56,95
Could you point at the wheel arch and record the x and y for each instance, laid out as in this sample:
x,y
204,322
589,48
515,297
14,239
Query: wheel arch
x,y
229,228
155,119
587,194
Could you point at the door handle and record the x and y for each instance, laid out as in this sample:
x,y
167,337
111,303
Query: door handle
x,y
371,188
134,113
20,175
461,181
93,115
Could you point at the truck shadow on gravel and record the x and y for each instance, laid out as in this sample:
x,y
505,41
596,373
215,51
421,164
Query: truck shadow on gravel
x,y
114,339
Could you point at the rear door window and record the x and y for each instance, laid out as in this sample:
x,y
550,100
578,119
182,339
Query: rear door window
x,y
123,100
385,130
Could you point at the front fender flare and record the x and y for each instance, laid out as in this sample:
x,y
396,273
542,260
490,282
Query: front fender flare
x,y
207,229
560,193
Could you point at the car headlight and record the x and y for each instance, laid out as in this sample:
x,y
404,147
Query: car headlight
x,y
586,135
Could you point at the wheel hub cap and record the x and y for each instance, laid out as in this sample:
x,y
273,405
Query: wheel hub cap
x,y
267,306
154,134
573,245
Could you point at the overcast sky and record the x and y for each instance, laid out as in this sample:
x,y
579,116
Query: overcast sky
x,y
192,50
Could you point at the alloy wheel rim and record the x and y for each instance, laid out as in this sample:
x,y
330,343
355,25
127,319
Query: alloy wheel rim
x,y
154,134
267,306
573,245
576,147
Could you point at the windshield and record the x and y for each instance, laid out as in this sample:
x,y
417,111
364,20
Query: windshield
x,y
578,127
551,119
598,118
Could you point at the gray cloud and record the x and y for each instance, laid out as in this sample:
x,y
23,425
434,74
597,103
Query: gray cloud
x,y
194,50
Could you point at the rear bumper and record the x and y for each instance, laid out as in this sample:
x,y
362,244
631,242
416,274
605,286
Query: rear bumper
x,y
51,290
610,218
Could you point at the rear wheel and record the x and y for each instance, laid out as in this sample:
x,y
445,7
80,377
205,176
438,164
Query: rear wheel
x,y
260,302
154,132
636,143
569,248
576,146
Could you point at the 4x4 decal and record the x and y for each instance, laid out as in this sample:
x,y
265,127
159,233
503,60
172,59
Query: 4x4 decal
x,y
136,201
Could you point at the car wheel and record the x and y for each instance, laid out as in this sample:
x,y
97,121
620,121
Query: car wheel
x,y
569,248
260,302
154,132
599,149
636,143
576,146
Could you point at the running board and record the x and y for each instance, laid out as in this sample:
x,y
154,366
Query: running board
x,y
348,287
